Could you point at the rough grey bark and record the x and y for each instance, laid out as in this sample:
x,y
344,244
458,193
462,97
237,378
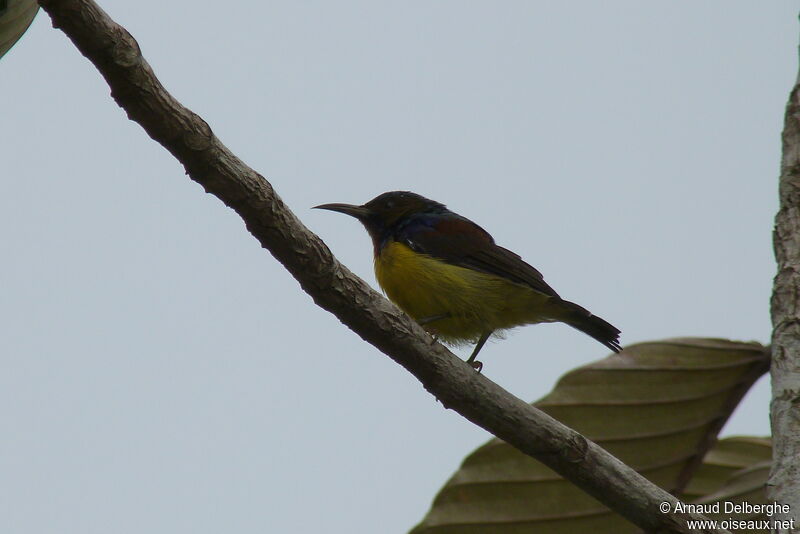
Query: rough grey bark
x,y
332,286
784,480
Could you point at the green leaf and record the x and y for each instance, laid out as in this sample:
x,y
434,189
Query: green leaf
x,y
15,17
656,406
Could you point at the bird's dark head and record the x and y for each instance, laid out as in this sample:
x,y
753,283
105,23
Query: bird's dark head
x,y
385,212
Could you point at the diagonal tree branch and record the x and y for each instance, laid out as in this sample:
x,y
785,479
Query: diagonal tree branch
x,y
333,287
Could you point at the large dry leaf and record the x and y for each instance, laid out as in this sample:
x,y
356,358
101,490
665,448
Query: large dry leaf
x,y
656,406
733,473
727,462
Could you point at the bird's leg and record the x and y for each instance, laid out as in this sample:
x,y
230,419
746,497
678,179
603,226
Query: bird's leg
x,y
432,318
478,346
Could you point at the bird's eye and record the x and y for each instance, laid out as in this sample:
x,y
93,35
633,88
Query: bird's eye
x,y
390,203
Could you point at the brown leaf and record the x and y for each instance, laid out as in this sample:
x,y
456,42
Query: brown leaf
x,y
657,406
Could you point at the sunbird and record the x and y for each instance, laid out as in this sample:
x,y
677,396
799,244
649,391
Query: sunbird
x,y
448,274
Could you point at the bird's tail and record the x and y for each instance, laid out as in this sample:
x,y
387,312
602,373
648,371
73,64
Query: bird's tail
x,y
582,319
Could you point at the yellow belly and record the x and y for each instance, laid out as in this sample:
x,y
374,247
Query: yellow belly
x,y
473,302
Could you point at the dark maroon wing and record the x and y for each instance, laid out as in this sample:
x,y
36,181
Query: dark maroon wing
x,y
459,241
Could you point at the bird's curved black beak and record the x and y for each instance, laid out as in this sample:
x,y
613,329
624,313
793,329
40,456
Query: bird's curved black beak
x,y
359,212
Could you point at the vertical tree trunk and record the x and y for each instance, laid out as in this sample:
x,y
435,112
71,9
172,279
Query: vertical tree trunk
x,y
784,480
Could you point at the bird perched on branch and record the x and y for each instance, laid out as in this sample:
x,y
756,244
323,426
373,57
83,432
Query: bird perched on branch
x,y
448,274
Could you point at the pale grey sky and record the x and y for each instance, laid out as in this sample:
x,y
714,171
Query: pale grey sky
x,y
162,373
